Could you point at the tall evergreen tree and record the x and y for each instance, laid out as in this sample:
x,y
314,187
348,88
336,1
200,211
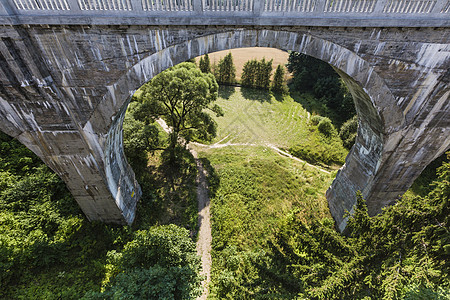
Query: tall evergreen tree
x,y
263,74
278,83
226,70
249,73
205,64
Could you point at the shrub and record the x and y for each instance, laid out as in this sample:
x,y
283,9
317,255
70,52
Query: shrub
x,y
316,119
326,127
160,263
348,132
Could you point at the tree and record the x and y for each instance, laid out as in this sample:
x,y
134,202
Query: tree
x,y
249,73
159,263
257,73
279,84
179,95
262,79
205,64
226,70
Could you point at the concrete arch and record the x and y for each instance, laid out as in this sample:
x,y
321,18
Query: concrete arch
x,y
376,107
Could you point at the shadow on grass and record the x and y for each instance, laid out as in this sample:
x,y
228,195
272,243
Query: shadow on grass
x,y
256,94
169,191
278,96
225,91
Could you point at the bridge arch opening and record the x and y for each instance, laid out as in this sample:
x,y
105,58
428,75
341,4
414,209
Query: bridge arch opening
x,y
370,94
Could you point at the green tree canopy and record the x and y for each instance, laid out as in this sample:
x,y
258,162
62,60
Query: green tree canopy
x,y
159,263
226,71
257,73
180,95
249,73
205,64
279,84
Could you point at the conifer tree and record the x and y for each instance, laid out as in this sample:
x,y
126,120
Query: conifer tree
x,y
263,74
205,64
249,73
279,84
226,70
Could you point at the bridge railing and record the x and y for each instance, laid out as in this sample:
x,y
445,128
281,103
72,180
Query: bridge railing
x,y
23,11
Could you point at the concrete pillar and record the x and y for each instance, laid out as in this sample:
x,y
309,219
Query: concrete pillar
x,y
53,124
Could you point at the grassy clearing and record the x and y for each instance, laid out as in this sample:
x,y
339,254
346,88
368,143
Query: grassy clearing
x,y
254,116
252,189
257,185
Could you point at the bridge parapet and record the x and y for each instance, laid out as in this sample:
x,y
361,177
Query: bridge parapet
x,y
361,13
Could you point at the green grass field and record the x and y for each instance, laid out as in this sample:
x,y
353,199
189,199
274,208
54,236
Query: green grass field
x,y
256,117
253,187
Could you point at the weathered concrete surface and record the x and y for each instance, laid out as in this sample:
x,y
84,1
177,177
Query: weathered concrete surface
x,y
336,13
64,90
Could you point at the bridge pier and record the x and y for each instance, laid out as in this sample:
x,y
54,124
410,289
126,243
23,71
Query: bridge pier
x,y
389,155
92,166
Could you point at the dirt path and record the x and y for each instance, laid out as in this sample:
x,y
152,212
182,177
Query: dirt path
x,y
204,225
281,152
204,218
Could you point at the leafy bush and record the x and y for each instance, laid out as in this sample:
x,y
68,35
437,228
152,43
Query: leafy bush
x,y
159,263
326,127
348,132
315,120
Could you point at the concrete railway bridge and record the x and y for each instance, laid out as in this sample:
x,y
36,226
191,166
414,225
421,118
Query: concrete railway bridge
x,y
69,68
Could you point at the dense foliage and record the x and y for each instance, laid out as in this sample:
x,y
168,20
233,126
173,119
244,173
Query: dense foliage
x,y
256,73
179,96
48,250
279,83
226,71
315,77
400,254
159,263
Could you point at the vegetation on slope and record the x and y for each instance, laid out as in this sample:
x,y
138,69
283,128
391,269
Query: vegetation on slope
x,y
252,189
319,88
273,237
254,116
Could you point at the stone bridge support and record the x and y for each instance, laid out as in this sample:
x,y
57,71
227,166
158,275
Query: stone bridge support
x,y
64,90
